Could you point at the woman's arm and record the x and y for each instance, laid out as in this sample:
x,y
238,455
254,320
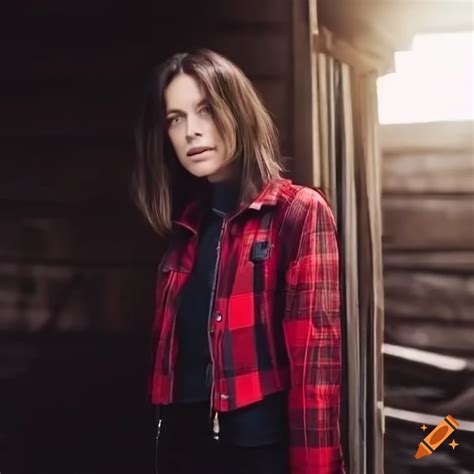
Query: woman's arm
x,y
312,326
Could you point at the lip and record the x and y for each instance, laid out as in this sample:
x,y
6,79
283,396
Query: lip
x,y
197,151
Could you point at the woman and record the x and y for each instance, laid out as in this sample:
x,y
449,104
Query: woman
x,y
246,334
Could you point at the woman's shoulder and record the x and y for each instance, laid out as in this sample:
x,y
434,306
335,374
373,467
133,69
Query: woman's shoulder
x,y
299,194
306,206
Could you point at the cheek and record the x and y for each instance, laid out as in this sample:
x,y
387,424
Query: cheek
x,y
217,139
216,134
176,140
221,156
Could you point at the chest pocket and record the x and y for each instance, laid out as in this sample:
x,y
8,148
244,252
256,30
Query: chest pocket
x,y
177,257
173,271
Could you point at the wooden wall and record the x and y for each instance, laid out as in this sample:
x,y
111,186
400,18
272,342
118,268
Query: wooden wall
x,y
428,250
73,79
428,190
77,262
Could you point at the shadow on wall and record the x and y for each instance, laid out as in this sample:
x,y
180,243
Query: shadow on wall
x,y
75,403
74,362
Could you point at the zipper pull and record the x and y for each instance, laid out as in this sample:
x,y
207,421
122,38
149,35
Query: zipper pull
x,y
215,426
158,431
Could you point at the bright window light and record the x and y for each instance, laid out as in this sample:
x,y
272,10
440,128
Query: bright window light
x,y
433,81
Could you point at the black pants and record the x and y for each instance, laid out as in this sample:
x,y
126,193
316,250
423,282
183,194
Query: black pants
x,y
186,446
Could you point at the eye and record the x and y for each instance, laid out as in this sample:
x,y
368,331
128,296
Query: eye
x,y
206,110
174,120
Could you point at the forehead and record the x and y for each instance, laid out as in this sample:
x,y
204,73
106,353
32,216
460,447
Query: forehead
x,y
183,92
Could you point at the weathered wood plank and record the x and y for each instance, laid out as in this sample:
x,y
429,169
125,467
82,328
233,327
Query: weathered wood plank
x,y
257,54
78,119
101,105
435,172
444,262
425,223
276,97
68,298
431,336
83,29
72,9
427,136
78,239
55,155
447,298
64,170
248,11
84,108
108,56
105,62
304,124
238,10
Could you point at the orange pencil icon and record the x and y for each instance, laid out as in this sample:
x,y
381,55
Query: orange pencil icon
x,y
436,437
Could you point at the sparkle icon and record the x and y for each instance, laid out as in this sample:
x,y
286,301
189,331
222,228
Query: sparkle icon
x,y
424,427
453,444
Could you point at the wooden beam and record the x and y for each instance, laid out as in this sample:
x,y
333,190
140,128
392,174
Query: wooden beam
x,y
425,296
428,172
325,41
431,136
304,170
453,263
249,11
430,336
424,223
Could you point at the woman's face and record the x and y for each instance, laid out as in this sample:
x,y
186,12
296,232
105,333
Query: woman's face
x,y
196,141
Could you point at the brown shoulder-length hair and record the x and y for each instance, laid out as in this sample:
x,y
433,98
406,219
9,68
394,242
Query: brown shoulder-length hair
x,y
160,184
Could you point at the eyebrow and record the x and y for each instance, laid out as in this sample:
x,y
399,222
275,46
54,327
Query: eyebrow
x,y
177,111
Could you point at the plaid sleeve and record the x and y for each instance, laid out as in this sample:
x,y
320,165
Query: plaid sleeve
x,y
313,342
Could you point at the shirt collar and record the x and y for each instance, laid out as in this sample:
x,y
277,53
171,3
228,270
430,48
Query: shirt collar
x,y
192,213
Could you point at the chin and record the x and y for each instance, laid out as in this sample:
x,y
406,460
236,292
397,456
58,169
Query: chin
x,y
202,170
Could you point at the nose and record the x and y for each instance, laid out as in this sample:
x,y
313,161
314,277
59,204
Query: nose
x,y
193,127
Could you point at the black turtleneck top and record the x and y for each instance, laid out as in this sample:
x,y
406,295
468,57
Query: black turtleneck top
x,y
261,423
193,376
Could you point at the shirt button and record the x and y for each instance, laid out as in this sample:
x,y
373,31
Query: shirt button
x,y
218,317
211,331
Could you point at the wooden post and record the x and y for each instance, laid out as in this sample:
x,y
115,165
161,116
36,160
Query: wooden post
x,y
305,167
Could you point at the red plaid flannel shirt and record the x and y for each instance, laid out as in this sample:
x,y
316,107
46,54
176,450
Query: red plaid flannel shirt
x,y
271,329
